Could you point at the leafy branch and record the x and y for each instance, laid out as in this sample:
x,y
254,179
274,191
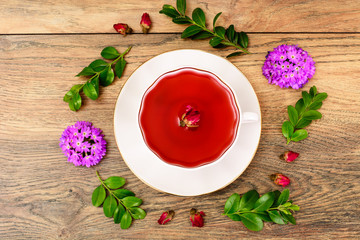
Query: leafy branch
x,y
121,204
100,72
252,210
302,114
220,37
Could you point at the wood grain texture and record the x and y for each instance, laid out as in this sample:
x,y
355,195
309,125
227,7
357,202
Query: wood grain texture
x,y
91,16
45,197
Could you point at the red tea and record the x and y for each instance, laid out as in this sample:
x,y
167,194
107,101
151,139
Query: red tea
x,y
163,105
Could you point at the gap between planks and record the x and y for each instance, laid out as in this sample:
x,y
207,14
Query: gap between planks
x,y
159,33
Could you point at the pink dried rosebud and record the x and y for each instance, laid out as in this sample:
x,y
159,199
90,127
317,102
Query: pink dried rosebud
x,y
289,156
166,217
145,23
190,118
280,179
122,28
196,218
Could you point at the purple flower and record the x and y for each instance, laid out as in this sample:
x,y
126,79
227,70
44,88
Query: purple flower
x,y
288,66
83,144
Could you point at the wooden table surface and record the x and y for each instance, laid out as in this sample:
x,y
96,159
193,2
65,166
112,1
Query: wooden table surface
x,y
44,43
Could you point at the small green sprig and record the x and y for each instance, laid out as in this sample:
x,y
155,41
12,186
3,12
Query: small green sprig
x,y
220,37
99,71
302,114
121,204
252,210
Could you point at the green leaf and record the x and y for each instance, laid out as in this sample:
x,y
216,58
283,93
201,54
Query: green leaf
x,y
230,33
198,16
289,218
320,97
169,11
306,98
236,37
109,206
286,211
284,196
87,71
76,88
121,193
216,18
275,217
252,221
107,77
243,39
264,202
72,105
264,216
227,43
119,67
313,91
181,6
69,95
90,91
312,115
299,106
182,20
215,41
118,213
287,129
299,135
137,213
110,53
126,220
293,115
114,182
98,65
232,204
287,204
315,105
190,31
294,207
95,83
201,35
234,217
284,219
248,200
220,45
220,31
131,201
75,102
234,54
98,196
276,194
303,123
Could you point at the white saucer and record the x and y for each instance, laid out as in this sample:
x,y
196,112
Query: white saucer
x,y
173,179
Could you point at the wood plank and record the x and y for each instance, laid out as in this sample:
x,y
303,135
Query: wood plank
x,y
44,197
90,16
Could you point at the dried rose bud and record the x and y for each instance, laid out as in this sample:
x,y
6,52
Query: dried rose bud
x,y
289,156
122,28
145,22
196,218
280,179
190,118
166,217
